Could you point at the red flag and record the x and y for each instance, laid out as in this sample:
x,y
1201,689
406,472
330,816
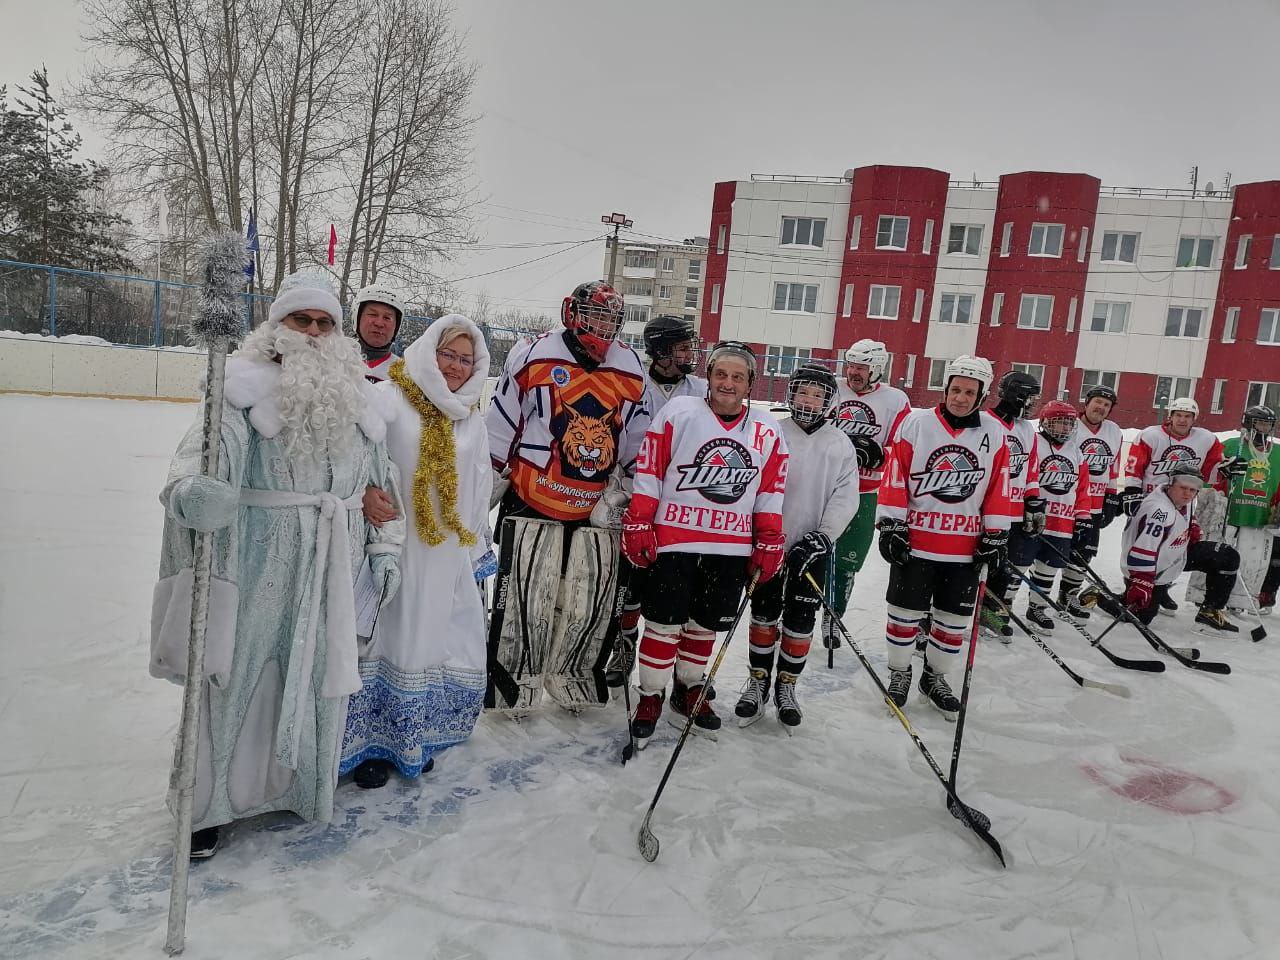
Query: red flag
x,y
333,242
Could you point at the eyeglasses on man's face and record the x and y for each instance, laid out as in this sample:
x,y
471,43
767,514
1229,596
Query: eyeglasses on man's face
x,y
302,323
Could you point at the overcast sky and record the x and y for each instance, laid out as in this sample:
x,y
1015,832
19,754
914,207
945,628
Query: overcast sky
x,y
590,106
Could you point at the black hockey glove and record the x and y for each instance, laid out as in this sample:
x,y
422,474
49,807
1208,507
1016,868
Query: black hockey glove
x,y
1033,516
1082,535
812,547
1112,507
1233,467
895,541
993,550
1131,500
870,454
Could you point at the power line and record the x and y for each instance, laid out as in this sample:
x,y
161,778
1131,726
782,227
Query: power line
x,y
525,263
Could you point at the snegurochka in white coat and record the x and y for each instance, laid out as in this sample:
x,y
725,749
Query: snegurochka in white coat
x,y
423,671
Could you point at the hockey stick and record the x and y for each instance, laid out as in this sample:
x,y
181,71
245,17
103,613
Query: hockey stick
x,y
645,838
1187,661
1149,666
1118,689
615,632
971,817
968,675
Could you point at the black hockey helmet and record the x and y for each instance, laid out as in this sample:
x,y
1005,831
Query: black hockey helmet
x,y
663,333
1253,414
1103,391
811,374
1183,471
1017,387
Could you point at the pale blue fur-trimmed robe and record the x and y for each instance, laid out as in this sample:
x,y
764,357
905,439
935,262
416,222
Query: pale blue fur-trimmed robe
x,y
275,705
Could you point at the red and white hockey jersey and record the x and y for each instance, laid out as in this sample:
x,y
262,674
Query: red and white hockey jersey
x,y
948,485
1100,449
380,369
876,414
562,428
1024,466
1156,450
1064,484
657,395
706,485
1156,539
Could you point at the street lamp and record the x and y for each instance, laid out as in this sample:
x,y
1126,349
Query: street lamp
x,y
618,221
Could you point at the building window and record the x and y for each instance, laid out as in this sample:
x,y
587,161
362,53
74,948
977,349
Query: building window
x,y
1082,248
1275,253
927,246
937,371
803,232
911,370
955,308
795,297
1035,312
847,309
637,314
1046,240
638,288
1263,394
882,303
782,361
1183,322
1194,252
1242,251
641,259
1269,327
1032,369
664,292
1219,390
667,264
891,233
1169,389
918,310
715,298
688,318
695,269
1231,325
964,239
855,233
1119,247
1109,316
1006,238
997,307
1099,378
691,298
722,239
1071,315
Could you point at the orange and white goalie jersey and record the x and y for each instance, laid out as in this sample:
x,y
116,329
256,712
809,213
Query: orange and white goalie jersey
x,y
948,485
708,485
563,429
1100,449
1064,484
1024,466
1156,450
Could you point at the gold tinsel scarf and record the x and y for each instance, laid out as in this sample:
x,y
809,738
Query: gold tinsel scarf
x,y
437,466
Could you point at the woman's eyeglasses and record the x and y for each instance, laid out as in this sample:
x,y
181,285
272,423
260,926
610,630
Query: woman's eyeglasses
x,y
448,356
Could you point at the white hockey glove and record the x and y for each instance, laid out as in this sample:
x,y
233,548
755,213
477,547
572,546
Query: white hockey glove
x,y
501,482
613,503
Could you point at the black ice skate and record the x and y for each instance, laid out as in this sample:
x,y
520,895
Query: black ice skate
x,y
1166,604
900,686
935,687
705,722
784,699
755,694
1039,619
205,843
1215,620
645,719
1071,606
995,623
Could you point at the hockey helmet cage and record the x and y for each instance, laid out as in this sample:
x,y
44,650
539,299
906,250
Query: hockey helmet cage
x,y
811,374
1057,420
593,314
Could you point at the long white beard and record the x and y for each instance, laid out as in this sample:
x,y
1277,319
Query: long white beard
x,y
319,393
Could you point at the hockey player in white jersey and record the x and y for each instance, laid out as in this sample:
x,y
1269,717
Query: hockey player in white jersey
x,y
821,499
706,512
1162,540
943,513
376,315
1100,443
868,411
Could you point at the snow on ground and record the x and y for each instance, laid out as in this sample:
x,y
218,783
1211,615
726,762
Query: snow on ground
x,y
1137,829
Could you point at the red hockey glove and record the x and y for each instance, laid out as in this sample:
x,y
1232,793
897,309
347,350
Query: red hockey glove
x,y
639,541
1137,596
1196,533
767,556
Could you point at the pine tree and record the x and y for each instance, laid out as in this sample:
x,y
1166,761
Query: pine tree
x,y
48,208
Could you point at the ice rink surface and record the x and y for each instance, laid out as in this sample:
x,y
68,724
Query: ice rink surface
x,y
1139,829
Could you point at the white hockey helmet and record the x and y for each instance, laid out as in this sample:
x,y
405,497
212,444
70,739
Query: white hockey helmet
x,y
1184,405
873,354
976,368
377,293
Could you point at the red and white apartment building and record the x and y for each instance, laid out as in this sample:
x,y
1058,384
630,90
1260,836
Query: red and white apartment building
x,y
1157,293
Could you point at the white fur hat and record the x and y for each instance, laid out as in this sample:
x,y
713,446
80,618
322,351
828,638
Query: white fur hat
x,y
305,290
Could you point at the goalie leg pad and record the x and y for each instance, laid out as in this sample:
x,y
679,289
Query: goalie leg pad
x,y
581,641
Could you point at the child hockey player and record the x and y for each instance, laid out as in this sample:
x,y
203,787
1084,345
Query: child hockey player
x,y
869,412
1163,539
822,497
705,515
944,512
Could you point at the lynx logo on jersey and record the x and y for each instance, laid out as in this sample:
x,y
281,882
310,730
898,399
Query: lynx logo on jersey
x,y
855,419
1017,456
1177,453
721,471
952,473
1098,455
1058,474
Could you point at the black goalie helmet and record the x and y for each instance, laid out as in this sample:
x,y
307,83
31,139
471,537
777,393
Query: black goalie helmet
x,y
814,405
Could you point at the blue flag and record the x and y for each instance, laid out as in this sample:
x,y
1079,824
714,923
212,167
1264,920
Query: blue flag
x,y
251,245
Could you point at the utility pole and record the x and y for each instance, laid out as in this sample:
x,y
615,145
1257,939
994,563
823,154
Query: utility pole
x,y
618,220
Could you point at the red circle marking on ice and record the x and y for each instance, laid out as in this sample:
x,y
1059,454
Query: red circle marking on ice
x,y
1164,787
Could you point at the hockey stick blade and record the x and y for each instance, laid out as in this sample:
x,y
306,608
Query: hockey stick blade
x,y
1118,689
961,811
1258,633
647,841
1148,666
